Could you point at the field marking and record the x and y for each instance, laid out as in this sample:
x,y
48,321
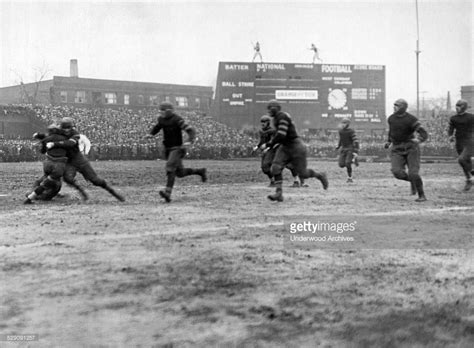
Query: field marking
x,y
418,211
89,238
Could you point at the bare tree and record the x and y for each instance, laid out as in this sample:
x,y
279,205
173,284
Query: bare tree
x,y
30,95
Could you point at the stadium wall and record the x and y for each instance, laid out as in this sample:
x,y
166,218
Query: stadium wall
x,y
18,122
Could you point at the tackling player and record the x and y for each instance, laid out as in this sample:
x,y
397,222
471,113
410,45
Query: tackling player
x,y
55,163
77,162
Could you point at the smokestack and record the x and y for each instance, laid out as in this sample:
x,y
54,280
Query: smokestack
x,y
74,69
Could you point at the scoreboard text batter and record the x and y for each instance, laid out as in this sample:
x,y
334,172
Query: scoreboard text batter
x,y
317,96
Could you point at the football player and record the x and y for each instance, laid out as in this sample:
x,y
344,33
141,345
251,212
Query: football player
x,y
175,150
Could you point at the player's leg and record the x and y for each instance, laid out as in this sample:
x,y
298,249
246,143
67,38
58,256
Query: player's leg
x,y
465,162
90,175
182,172
280,160
70,179
52,172
398,160
348,164
296,179
300,163
413,164
266,164
172,164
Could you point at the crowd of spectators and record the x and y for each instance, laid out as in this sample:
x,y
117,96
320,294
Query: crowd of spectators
x,y
120,134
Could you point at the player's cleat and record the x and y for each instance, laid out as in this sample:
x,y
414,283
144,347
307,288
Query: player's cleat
x,y
203,174
468,185
324,181
295,184
28,201
113,193
422,198
119,197
277,197
304,185
166,196
349,180
82,192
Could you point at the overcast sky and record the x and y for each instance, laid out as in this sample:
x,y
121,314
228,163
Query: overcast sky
x,y
182,41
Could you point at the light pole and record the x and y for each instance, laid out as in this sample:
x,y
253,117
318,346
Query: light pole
x,y
417,52
423,103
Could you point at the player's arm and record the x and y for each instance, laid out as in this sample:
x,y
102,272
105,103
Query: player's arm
x,y
188,129
389,139
156,129
43,148
262,140
67,144
422,133
39,136
282,129
355,141
451,129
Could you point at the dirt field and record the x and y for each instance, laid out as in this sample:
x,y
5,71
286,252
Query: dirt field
x,y
218,266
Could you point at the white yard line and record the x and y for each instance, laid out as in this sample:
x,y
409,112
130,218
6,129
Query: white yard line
x,y
191,230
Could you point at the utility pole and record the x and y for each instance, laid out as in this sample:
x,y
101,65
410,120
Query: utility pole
x,y
423,103
417,52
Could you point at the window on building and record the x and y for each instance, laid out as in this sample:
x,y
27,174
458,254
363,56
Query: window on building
x,y
110,98
126,99
197,103
154,100
182,102
141,99
63,96
167,99
80,97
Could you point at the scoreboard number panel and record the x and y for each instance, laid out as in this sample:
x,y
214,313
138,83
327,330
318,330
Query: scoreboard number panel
x,y
317,96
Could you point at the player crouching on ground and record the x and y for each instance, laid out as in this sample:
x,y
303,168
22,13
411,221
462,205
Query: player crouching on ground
x,y
290,149
175,150
348,147
55,163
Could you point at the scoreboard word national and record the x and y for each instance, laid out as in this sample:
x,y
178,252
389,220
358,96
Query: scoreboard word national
x,y
317,96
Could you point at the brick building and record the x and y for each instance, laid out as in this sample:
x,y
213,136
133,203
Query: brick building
x,y
467,93
86,92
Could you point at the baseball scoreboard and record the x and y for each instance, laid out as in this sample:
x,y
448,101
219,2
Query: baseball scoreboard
x,y
317,96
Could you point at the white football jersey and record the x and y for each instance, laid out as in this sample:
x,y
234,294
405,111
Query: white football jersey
x,y
84,144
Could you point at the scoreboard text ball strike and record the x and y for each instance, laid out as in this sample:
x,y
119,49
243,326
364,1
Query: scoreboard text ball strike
x,y
317,96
